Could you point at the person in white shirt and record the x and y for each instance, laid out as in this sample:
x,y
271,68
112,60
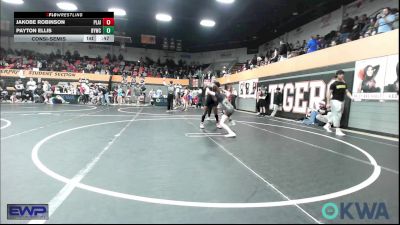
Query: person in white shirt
x,y
159,93
259,61
234,96
89,66
31,85
151,95
30,88
47,91
86,92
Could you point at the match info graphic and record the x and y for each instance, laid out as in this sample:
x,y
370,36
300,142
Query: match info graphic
x,y
64,27
377,79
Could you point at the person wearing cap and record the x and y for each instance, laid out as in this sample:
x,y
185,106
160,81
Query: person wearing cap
x,y
278,101
335,100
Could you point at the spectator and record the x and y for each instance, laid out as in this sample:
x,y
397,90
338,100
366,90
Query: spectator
x,y
151,96
119,94
283,49
259,59
314,113
304,44
30,88
290,46
19,90
253,61
333,43
358,26
274,57
369,28
278,101
385,21
85,90
323,114
105,99
258,108
395,12
346,28
159,93
38,94
321,43
312,45
3,90
297,46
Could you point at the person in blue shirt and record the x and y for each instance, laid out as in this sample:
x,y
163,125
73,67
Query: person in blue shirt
x,y
312,45
385,21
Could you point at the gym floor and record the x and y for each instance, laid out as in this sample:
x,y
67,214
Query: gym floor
x,y
122,164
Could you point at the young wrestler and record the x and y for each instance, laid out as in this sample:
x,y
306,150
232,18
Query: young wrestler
x,y
227,107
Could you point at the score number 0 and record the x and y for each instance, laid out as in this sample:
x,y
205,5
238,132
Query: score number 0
x,y
108,21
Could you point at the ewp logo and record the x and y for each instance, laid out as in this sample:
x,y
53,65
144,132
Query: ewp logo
x,y
27,211
375,211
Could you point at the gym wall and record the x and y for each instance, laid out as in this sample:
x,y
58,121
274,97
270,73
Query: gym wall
x,y
311,72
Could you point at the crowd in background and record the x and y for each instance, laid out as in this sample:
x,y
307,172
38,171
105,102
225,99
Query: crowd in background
x,y
108,65
42,91
351,29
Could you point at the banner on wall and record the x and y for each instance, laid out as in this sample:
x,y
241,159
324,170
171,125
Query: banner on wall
x,y
377,79
226,55
44,74
303,91
165,43
248,88
148,39
172,45
52,75
179,45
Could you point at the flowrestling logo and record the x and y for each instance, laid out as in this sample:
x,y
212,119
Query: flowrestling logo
x,y
355,210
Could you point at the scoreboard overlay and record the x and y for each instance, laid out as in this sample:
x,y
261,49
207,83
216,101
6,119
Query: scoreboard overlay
x,y
64,26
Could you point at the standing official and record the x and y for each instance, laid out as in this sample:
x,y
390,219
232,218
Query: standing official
x,y
170,91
